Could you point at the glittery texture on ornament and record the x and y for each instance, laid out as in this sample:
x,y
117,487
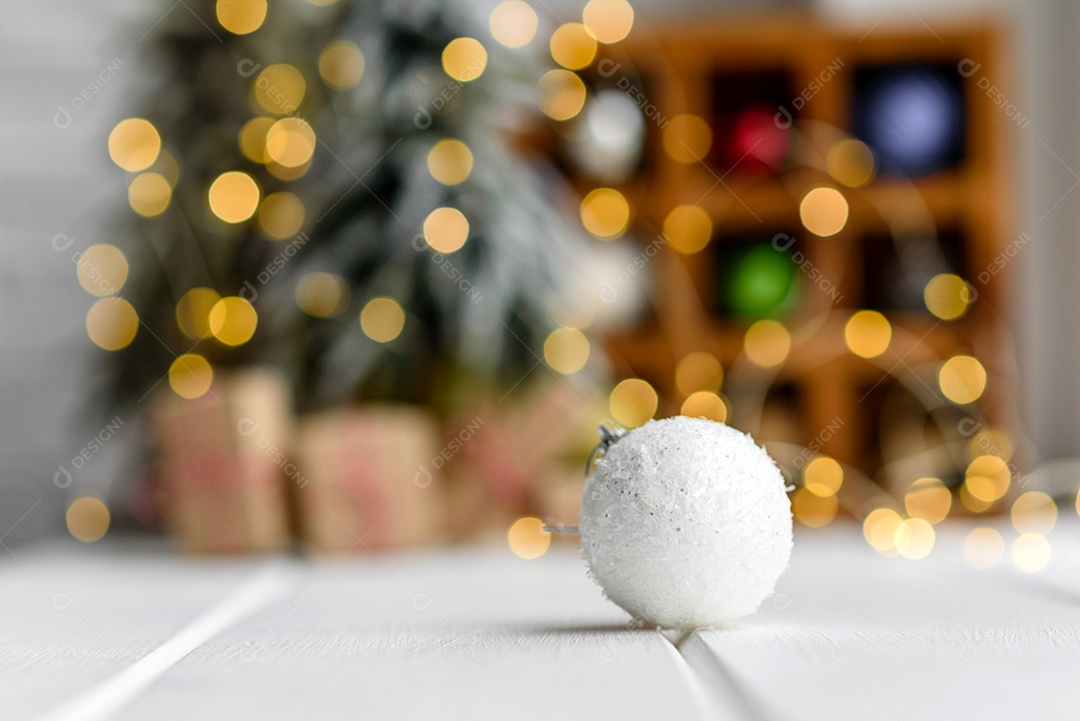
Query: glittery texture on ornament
x,y
685,523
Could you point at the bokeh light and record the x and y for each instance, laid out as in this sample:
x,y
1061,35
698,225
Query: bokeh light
x,y
241,17
824,211
1031,552
990,441
234,196
193,312
112,323
823,476
446,229
705,404
464,59
987,478
566,350
134,144
233,320
868,333
850,162
687,139
450,161
149,194
290,142
947,296
87,519
252,139
688,229
767,343
513,23
561,94
632,402
609,20
102,270
527,538
813,510
984,547
281,215
914,538
321,295
382,319
962,379
573,46
279,88
879,529
1034,512
341,65
190,376
605,213
698,371
928,499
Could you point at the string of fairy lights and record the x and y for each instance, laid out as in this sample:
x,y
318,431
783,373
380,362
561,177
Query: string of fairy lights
x,y
285,144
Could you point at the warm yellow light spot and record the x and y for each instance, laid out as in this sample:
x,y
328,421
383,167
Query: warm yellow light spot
x,y
991,442
88,519
823,476
513,23
193,312
879,529
767,343
688,229
241,17
573,46
283,172
1034,512
233,320
813,510
632,402
561,94
868,333
450,161
973,504
149,194
705,404
102,270
382,319
687,139
698,371
279,88
605,213
290,142
566,350
914,538
320,295
609,20
446,229
341,65
464,59
281,215
928,499
987,478
234,196
527,538
851,163
824,211
947,296
984,547
962,379
134,144
112,323
252,139
190,376
1031,552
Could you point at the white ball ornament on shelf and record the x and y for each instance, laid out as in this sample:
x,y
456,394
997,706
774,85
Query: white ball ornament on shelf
x,y
685,522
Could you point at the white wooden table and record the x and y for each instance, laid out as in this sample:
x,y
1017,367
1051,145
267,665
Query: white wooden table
x,y
112,631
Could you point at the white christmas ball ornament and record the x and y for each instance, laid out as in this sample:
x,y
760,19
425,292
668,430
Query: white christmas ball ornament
x,y
685,523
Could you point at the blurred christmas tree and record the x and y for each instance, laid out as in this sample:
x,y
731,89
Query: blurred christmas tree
x,y
297,167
